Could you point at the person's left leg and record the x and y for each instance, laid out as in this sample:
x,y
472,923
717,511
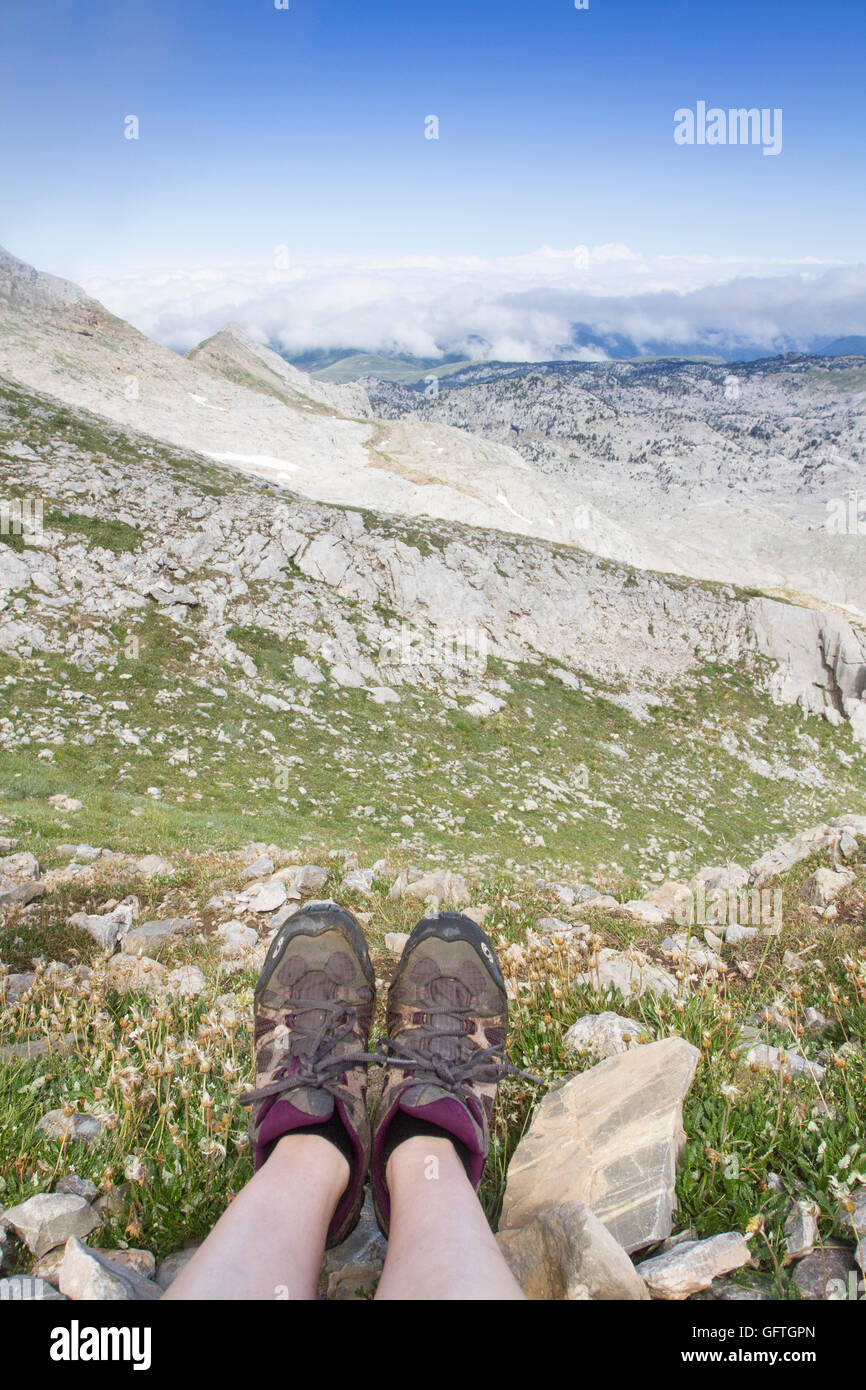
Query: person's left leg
x,y
270,1240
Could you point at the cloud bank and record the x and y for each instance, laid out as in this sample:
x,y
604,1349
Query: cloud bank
x,y
577,304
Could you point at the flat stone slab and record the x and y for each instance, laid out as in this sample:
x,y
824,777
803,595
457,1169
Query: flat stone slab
x,y
149,934
692,1265
49,1219
610,1139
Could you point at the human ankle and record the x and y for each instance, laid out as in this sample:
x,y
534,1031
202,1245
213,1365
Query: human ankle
x,y
315,1153
421,1157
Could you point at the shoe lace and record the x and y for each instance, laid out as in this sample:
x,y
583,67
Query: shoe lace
x,y
480,1064
319,1064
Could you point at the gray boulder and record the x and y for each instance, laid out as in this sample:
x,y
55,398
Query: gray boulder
x,y
567,1254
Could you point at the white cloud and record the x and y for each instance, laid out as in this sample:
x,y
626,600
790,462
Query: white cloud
x,y
516,308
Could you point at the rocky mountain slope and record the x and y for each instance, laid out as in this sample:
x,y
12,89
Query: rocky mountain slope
x,y
237,402
182,629
751,472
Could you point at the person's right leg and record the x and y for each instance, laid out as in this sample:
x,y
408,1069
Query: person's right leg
x,y
447,1024
269,1241
440,1245
309,1128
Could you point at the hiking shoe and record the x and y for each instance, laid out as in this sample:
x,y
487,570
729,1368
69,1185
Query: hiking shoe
x,y
313,1008
444,1053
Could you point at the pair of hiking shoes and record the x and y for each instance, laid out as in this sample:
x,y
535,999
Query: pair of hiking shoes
x,y
442,1057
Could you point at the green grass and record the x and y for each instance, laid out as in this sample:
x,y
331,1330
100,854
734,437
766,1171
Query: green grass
x,y
112,534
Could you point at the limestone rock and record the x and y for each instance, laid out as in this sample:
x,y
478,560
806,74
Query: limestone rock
x,y
171,1266
153,865
49,1219
14,986
628,971
443,885
801,1229
395,941
106,928
719,880
668,896
567,1254
693,1265
829,1273
823,887
186,980
135,972
735,934
148,935
20,894
307,670
790,852
78,1126
550,926
87,1275
78,1187
262,867
765,1058
685,949
139,1261
642,910
264,897
603,1035
310,879
24,1288
18,868
352,1269
358,881
609,1138
236,938
852,1212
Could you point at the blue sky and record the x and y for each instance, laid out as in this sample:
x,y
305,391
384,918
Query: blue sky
x,y
305,128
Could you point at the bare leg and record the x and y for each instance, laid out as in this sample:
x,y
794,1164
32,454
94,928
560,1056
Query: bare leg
x,y
270,1241
440,1246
